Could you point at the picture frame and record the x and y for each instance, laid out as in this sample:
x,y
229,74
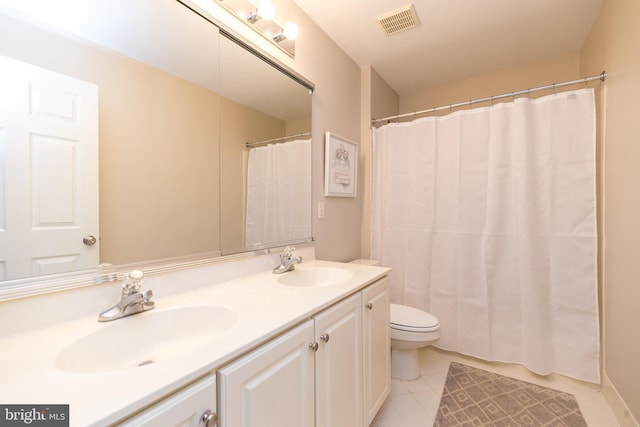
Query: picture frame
x,y
340,166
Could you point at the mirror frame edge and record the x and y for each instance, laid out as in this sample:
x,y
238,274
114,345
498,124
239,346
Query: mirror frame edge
x,y
31,287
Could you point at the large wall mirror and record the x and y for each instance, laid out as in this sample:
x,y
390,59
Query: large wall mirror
x,y
146,127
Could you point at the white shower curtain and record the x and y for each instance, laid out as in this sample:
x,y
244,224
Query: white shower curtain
x,y
278,193
488,219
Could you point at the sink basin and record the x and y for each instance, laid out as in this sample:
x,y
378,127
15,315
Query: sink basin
x,y
146,338
318,276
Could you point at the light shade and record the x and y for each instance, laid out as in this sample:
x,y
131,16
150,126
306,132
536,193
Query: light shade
x,y
266,9
290,31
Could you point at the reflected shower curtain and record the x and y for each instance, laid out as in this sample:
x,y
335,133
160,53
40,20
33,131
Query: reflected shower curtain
x,y
278,193
488,219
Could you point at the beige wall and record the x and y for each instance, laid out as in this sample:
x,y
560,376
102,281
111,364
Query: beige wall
x,y
613,45
504,81
158,166
295,127
336,108
385,101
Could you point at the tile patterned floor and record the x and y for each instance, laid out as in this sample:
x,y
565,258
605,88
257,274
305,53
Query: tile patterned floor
x,y
415,403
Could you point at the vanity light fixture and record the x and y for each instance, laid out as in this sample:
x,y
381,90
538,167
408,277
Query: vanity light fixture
x,y
290,31
266,10
261,20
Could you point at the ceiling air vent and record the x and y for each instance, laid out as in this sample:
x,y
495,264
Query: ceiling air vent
x,y
399,20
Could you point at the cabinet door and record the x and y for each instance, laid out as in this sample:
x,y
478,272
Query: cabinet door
x,y
339,364
376,345
183,409
272,386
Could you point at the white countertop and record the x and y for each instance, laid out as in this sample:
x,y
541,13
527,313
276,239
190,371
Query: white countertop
x,y
264,308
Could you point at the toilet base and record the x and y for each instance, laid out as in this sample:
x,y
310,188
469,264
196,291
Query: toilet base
x,y
405,364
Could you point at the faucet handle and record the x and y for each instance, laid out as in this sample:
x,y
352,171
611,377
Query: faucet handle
x,y
133,282
289,252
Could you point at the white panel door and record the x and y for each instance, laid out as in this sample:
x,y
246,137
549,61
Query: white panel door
x,y
339,364
272,386
48,171
376,344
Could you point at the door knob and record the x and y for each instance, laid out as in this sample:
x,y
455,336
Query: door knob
x,y
89,240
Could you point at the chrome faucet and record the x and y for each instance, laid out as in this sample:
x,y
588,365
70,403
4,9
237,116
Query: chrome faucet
x,y
133,299
288,260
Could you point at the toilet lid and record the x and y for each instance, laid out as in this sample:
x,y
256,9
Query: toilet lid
x,y
411,319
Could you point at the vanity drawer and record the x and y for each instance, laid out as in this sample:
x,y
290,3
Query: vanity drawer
x,y
182,409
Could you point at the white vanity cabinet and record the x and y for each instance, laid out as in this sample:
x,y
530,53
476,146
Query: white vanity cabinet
x,y
338,332
190,407
376,347
272,386
335,365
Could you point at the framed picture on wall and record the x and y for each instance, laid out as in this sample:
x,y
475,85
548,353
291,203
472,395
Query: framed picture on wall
x,y
340,166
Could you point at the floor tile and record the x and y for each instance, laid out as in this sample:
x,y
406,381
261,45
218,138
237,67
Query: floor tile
x,y
416,385
405,403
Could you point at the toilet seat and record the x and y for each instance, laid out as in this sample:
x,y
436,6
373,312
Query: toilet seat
x,y
411,329
410,319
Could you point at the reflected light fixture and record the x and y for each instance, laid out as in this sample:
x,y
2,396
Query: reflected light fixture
x,y
289,32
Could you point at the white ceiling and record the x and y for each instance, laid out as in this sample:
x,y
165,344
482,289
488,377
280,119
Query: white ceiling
x,y
456,39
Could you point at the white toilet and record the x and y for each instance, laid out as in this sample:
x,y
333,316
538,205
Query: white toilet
x,y
411,329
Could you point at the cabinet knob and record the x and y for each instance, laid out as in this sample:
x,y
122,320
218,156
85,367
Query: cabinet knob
x,y
370,306
209,418
313,346
324,337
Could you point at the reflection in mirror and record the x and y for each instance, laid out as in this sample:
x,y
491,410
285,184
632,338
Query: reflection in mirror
x,y
155,75
157,131
265,133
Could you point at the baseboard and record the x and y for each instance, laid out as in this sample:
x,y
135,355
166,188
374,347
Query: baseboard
x,y
617,405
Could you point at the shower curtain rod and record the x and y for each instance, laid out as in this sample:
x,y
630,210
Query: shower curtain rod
x,y
266,141
553,86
